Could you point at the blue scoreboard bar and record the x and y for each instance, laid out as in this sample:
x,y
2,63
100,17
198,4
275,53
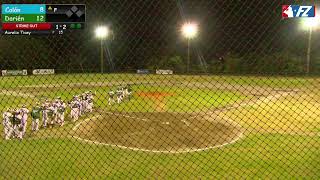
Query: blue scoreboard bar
x,y
23,9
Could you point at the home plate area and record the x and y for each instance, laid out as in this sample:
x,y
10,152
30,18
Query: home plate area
x,y
157,132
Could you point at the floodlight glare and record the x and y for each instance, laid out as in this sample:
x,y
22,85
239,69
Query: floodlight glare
x,y
310,22
102,32
190,30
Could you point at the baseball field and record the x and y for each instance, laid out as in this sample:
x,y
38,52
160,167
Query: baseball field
x,y
195,126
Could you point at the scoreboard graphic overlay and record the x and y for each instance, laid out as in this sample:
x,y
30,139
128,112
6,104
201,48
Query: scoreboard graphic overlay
x,y
41,19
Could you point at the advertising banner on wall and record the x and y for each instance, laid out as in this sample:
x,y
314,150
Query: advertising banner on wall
x,y
14,72
164,72
43,71
143,71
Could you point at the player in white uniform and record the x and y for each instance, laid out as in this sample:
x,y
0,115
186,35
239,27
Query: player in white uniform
x,y
123,95
75,109
111,98
45,110
54,108
125,92
80,100
51,112
24,121
7,125
80,107
90,102
61,111
84,102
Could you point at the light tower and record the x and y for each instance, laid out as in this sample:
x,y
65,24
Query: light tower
x,y
102,33
310,24
189,31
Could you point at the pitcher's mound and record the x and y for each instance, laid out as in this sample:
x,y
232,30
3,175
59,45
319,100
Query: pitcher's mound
x,y
158,132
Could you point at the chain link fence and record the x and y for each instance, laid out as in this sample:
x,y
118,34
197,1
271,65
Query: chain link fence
x,y
242,104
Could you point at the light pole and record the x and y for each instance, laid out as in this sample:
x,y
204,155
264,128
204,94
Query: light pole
x,y
310,24
102,33
309,51
189,31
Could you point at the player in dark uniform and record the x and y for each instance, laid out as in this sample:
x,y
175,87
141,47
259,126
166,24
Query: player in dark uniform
x,y
129,92
16,122
35,114
119,93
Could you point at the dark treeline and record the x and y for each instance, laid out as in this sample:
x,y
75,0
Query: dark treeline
x,y
235,37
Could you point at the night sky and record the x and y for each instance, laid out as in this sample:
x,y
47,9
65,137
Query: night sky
x,y
144,29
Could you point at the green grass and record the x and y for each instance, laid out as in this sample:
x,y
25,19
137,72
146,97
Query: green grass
x,y
295,115
260,156
286,82
202,100
266,152
182,99
12,102
274,82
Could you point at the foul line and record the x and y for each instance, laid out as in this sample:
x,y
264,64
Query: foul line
x,y
258,101
186,150
16,94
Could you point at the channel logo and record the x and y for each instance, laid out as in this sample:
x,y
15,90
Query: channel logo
x,y
296,11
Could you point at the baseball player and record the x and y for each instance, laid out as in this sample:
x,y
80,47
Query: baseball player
x,y
111,98
16,122
119,95
90,102
35,114
61,111
75,109
45,110
125,92
54,108
51,112
85,102
129,92
7,125
24,113
123,95
80,107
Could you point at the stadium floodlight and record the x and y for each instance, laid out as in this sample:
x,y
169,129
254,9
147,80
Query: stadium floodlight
x,y
102,33
310,24
189,31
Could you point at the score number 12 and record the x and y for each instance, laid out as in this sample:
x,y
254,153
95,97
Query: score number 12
x,y
40,18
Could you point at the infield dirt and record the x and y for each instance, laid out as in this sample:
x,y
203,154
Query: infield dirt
x,y
157,131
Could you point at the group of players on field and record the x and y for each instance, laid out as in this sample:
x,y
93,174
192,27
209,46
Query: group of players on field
x,y
52,113
118,96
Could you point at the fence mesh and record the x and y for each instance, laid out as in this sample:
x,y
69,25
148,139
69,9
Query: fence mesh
x,y
242,104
